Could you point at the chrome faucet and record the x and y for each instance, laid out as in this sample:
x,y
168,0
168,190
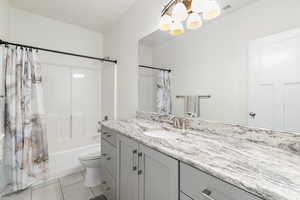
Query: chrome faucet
x,y
179,123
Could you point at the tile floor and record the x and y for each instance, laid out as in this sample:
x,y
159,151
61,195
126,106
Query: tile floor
x,y
67,188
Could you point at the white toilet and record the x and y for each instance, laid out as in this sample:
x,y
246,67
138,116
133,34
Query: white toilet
x,y
92,162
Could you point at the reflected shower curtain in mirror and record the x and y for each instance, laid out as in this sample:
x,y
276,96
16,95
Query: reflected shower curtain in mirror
x,y
25,152
164,105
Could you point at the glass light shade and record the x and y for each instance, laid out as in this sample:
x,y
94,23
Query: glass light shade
x,y
177,28
179,12
212,10
165,23
198,6
194,21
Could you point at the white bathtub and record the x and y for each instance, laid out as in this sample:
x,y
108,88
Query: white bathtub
x,y
66,162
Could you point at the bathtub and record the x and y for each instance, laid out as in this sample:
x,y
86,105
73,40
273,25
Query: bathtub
x,y
67,162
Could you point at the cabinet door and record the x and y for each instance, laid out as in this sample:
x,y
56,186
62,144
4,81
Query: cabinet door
x,y
128,178
158,175
184,197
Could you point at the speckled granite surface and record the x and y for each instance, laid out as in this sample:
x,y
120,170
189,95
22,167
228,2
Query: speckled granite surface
x,y
263,162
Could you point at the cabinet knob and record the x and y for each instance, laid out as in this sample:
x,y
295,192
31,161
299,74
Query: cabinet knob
x,y
108,136
103,182
109,158
104,154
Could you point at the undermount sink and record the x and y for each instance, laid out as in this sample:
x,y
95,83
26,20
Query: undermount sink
x,y
163,134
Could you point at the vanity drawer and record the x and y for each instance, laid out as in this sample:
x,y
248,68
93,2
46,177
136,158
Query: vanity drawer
x,y
108,185
194,182
109,154
109,135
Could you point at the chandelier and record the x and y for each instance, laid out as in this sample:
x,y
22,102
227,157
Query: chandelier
x,y
195,11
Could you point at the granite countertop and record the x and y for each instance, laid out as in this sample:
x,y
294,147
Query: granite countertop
x,y
271,171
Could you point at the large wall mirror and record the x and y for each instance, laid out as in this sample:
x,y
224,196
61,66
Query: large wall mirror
x,y
242,68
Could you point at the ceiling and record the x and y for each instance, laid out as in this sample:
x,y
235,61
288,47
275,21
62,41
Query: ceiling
x,y
158,37
97,15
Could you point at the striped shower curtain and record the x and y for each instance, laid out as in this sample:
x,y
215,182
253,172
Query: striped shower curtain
x,y
25,152
163,99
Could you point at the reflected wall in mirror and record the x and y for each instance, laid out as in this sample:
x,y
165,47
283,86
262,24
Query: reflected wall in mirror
x,y
247,64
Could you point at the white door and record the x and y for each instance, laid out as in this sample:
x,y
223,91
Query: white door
x,y
274,82
158,175
128,177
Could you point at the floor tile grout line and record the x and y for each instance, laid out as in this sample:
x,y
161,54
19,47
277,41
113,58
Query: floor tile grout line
x,y
91,190
72,184
61,190
43,185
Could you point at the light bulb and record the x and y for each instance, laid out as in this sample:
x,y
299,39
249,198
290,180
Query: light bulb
x,y
198,6
177,28
212,10
165,23
179,12
194,21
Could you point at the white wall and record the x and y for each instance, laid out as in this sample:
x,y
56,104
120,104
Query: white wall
x,y
122,43
45,32
229,37
4,19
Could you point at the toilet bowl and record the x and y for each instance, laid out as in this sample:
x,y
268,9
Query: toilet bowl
x,y
92,162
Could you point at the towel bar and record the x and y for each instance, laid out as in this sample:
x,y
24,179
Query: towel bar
x,y
200,96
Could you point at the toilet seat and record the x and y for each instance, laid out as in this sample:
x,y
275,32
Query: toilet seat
x,y
90,156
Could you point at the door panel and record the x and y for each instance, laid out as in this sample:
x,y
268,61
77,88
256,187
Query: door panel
x,y
128,178
274,82
159,176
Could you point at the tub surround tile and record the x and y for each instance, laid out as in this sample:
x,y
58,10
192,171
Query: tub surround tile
x,y
263,162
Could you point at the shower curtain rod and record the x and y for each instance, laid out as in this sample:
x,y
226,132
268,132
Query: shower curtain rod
x,y
156,68
59,52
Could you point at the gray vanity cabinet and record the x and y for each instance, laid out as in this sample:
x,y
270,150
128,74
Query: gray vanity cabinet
x,y
158,177
109,167
184,197
128,180
145,174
